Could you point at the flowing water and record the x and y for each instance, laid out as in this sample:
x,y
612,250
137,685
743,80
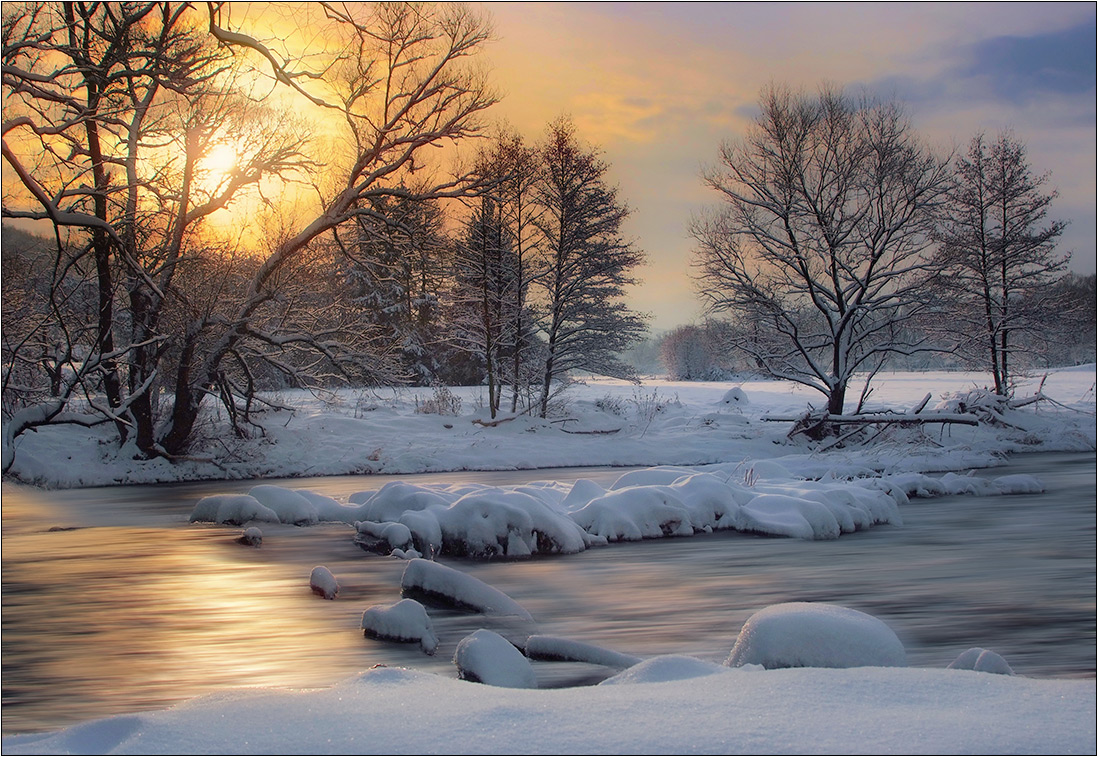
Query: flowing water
x,y
113,603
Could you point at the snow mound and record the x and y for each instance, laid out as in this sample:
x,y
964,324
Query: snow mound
x,y
500,523
634,513
456,589
252,537
405,621
952,484
555,648
735,397
383,538
982,661
673,667
815,635
486,657
291,507
322,582
232,509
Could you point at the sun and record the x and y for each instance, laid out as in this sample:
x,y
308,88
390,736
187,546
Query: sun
x,y
217,165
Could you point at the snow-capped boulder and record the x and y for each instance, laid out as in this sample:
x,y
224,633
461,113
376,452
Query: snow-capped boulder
x,y
815,635
554,648
383,538
291,507
405,621
982,661
785,515
501,523
456,589
665,668
486,657
661,475
233,509
322,582
397,497
252,537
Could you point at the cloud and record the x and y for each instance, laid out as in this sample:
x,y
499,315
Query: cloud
x,y
1020,68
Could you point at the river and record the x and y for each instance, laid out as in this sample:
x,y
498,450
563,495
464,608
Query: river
x,y
113,603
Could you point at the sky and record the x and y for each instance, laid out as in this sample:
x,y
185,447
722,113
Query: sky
x,y
659,86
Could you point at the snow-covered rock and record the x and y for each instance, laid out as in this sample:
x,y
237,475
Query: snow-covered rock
x,y
501,523
982,661
383,538
233,509
456,589
251,537
291,507
815,635
404,621
673,667
555,648
486,657
322,582
634,513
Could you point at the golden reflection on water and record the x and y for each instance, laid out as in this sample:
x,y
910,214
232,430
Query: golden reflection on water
x,y
173,613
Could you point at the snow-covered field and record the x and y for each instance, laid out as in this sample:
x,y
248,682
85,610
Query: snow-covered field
x,y
802,679
656,423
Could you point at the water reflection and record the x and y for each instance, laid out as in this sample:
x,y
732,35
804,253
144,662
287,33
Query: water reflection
x,y
116,618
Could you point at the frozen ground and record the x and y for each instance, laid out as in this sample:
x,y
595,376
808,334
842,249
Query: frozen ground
x,y
602,423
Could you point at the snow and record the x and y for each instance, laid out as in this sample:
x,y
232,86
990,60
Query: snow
x,y
353,432
486,657
737,711
322,582
405,621
815,635
712,463
251,537
554,648
458,589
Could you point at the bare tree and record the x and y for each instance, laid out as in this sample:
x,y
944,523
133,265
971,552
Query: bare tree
x,y
584,322
998,258
820,245
114,108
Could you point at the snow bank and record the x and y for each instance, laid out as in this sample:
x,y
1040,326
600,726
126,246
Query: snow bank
x,y
815,635
486,657
673,667
457,589
801,711
404,621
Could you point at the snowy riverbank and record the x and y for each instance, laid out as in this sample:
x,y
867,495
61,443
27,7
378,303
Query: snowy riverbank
x,y
604,423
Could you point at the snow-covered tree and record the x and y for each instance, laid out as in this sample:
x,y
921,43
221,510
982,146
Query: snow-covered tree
x,y
112,111
822,240
998,258
588,264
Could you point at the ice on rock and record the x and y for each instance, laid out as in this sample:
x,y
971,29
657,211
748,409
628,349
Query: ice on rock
x,y
322,582
233,509
554,648
665,668
251,537
290,507
457,589
486,657
982,661
815,635
405,621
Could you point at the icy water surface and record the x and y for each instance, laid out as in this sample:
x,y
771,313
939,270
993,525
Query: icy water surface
x,y
130,607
